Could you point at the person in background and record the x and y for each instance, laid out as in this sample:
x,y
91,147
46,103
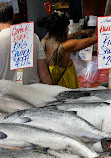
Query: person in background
x,y
39,72
58,46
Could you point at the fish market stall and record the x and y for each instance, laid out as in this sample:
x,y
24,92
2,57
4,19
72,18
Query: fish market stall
x,y
59,121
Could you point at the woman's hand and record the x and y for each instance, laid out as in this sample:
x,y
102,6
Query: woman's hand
x,y
87,32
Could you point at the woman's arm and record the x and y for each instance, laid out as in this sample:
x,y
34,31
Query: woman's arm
x,y
75,45
43,72
87,32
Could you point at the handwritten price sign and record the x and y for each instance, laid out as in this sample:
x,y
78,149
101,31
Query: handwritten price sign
x,y
21,55
86,54
104,42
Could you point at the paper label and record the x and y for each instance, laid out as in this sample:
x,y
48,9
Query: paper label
x,y
86,54
22,39
104,42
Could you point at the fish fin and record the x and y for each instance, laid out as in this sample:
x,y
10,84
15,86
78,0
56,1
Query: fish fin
x,y
72,112
56,108
3,135
106,102
50,107
56,102
34,147
51,130
41,149
17,113
66,150
24,120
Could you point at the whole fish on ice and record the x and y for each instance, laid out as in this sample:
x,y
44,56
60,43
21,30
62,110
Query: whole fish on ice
x,y
104,94
82,101
57,120
97,113
40,94
10,104
44,138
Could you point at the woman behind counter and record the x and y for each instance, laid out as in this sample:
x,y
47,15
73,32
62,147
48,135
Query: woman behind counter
x,y
58,48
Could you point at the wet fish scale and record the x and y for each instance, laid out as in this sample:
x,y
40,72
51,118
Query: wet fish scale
x,y
71,95
60,121
45,138
102,93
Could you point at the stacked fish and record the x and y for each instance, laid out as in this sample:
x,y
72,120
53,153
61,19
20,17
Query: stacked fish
x,y
51,118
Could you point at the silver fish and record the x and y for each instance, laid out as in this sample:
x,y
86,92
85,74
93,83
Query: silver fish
x,y
57,120
62,154
27,153
12,144
37,94
104,94
10,104
44,138
67,106
98,114
88,99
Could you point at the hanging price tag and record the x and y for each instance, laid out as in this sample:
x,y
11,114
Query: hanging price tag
x,y
21,52
86,54
20,75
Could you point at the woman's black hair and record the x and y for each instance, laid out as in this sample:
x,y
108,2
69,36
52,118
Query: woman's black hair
x,y
55,24
6,12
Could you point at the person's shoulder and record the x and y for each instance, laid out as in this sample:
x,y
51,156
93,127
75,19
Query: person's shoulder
x,y
5,31
5,34
36,36
46,37
43,39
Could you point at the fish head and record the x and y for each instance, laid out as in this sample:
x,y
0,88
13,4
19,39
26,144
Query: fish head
x,y
13,116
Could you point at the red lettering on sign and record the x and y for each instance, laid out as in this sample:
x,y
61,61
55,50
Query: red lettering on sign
x,y
105,28
20,32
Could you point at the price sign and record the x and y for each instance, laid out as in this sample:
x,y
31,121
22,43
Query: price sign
x,y
104,42
21,54
86,54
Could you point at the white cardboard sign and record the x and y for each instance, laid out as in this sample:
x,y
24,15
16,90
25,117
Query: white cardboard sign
x,y
86,54
104,42
22,40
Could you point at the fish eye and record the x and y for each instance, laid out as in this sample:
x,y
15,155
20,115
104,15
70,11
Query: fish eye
x,y
2,135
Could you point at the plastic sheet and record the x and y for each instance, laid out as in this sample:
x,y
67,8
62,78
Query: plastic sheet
x,y
88,73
